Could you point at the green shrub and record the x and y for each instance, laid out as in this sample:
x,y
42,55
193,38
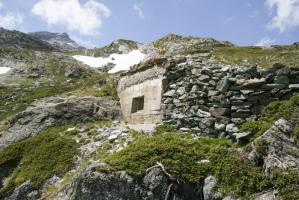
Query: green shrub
x,y
39,158
255,127
181,157
178,155
296,134
287,183
236,174
274,111
165,128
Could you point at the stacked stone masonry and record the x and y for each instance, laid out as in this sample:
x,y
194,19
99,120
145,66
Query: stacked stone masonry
x,y
216,99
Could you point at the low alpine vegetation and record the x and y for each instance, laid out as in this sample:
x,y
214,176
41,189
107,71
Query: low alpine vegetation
x,y
278,109
192,160
38,159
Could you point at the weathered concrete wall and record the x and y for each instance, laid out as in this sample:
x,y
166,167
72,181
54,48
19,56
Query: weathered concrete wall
x,y
151,113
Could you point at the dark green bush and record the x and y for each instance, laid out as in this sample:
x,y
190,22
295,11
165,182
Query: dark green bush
x,y
287,183
179,155
236,174
39,158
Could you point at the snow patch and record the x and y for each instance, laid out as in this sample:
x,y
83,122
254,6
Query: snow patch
x,y
4,70
121,61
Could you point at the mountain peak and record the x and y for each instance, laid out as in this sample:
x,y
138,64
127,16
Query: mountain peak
x,y
59,40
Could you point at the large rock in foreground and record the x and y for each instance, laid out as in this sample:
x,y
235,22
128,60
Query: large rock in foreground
x,y
155,185
274,147
56,111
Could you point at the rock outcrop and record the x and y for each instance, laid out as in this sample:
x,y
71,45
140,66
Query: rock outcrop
x,y
155,185
273,148
55,111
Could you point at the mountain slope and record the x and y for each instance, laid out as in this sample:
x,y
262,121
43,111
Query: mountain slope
x,y
19,40
60,41
62,135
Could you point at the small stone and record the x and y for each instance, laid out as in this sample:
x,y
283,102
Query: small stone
x,y
237,120
231,128
252,83
194,88
181,90
208,121
212,93
169,93
201,113
242,136
238,98
247,91
204,78
271,86
218,112
112,137
294,86
176,101
219,126
185,129
223,85
195,71
168,100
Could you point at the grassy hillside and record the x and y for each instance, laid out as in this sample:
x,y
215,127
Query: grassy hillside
x,y
263,57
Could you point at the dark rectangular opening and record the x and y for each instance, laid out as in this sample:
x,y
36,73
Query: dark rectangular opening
x,y
137,104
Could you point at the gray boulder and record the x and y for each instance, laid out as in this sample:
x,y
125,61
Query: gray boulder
x,y
210,190
24,192
56,111
274,147
157,184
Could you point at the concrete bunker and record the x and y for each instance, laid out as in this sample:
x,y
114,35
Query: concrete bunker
x,y
140,98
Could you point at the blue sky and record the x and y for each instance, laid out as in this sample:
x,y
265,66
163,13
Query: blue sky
x,y
99,22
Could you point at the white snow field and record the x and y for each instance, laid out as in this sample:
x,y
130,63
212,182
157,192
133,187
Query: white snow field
x,y
4,70
121,61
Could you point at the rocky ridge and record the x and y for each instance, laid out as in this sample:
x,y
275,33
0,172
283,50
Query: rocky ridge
x,y
19,40
60,41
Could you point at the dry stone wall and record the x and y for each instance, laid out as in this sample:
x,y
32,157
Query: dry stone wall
x,y
216,99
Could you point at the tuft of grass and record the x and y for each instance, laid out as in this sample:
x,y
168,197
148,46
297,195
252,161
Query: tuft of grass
x,y
39,158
